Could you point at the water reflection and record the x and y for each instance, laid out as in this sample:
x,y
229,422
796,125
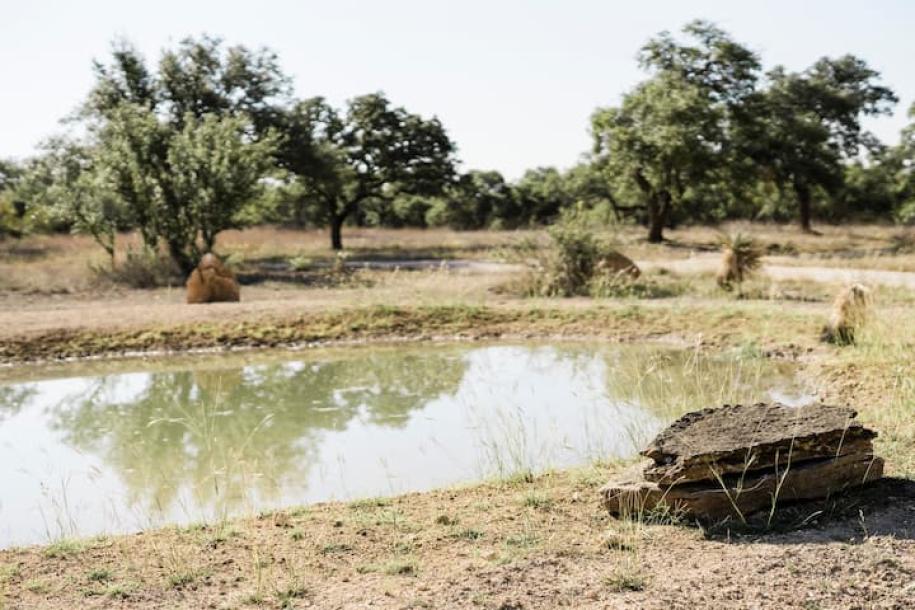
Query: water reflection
x,y
214,436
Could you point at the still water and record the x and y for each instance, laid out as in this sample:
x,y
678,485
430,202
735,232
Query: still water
x,y
121,446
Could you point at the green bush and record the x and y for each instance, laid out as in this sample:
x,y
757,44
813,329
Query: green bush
x,y
906,213
143,268
578,263
12,218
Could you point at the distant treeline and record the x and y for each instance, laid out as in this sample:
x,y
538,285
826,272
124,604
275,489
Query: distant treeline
x,y
212,138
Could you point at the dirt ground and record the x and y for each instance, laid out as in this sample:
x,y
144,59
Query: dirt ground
x,y
541,542
47,282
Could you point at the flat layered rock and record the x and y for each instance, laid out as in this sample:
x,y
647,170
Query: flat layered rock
x,y
630,494
714,443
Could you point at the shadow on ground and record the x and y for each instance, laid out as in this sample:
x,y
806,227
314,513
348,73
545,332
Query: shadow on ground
x,y
883,508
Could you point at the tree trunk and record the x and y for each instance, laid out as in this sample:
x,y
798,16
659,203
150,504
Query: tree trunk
x,y
209,240
655,205
336,232
658,208
655,227
804,203
184,261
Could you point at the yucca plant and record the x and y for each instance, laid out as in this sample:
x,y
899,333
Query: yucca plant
x,y
740,257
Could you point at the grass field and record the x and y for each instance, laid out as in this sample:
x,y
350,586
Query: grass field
x,y
62,264
522,542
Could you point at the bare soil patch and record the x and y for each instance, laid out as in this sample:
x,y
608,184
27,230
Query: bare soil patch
x,y
539,544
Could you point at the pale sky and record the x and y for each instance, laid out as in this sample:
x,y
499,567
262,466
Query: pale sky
x,y
513,81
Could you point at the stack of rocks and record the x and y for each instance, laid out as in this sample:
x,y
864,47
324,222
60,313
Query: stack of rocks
x,y
738,459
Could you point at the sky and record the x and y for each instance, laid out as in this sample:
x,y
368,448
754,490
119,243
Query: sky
x,y
514,82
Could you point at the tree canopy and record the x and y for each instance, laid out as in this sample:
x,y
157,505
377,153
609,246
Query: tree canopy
x,y
371,152
806,126
210,138
673,130
183,148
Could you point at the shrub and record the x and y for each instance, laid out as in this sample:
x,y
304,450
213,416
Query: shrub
x,y
578,263
906,213
624,286
904,241
143,268
740,256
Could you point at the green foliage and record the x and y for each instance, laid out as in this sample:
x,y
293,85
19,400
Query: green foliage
x,y
183,186
370,154
576,262
577,252
99,575
199,77
672,130
9,174
700,141
542,195
906,212
11,221
623,286
868,191
12,211
404,210
477,200
68,187
209,139
805,126
484,199
904,174
143,268
64,548
183,149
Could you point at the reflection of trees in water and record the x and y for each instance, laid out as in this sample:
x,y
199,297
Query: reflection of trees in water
x,y
13,398
231,433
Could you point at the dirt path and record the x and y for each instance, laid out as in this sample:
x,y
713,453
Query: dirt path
x,y
700,263
430,282
709,263
27,314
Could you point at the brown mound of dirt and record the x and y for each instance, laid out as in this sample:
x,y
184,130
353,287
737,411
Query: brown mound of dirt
x,y
212,282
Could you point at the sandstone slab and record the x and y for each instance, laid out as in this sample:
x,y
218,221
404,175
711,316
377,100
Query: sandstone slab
x,y
630,494
740,439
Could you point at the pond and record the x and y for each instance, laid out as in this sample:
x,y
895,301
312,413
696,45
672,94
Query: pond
x,y
124,445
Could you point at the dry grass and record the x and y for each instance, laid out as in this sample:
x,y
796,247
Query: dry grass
x,y
877,373
740,257
61,264
270,242
536,542
885,262
849,313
